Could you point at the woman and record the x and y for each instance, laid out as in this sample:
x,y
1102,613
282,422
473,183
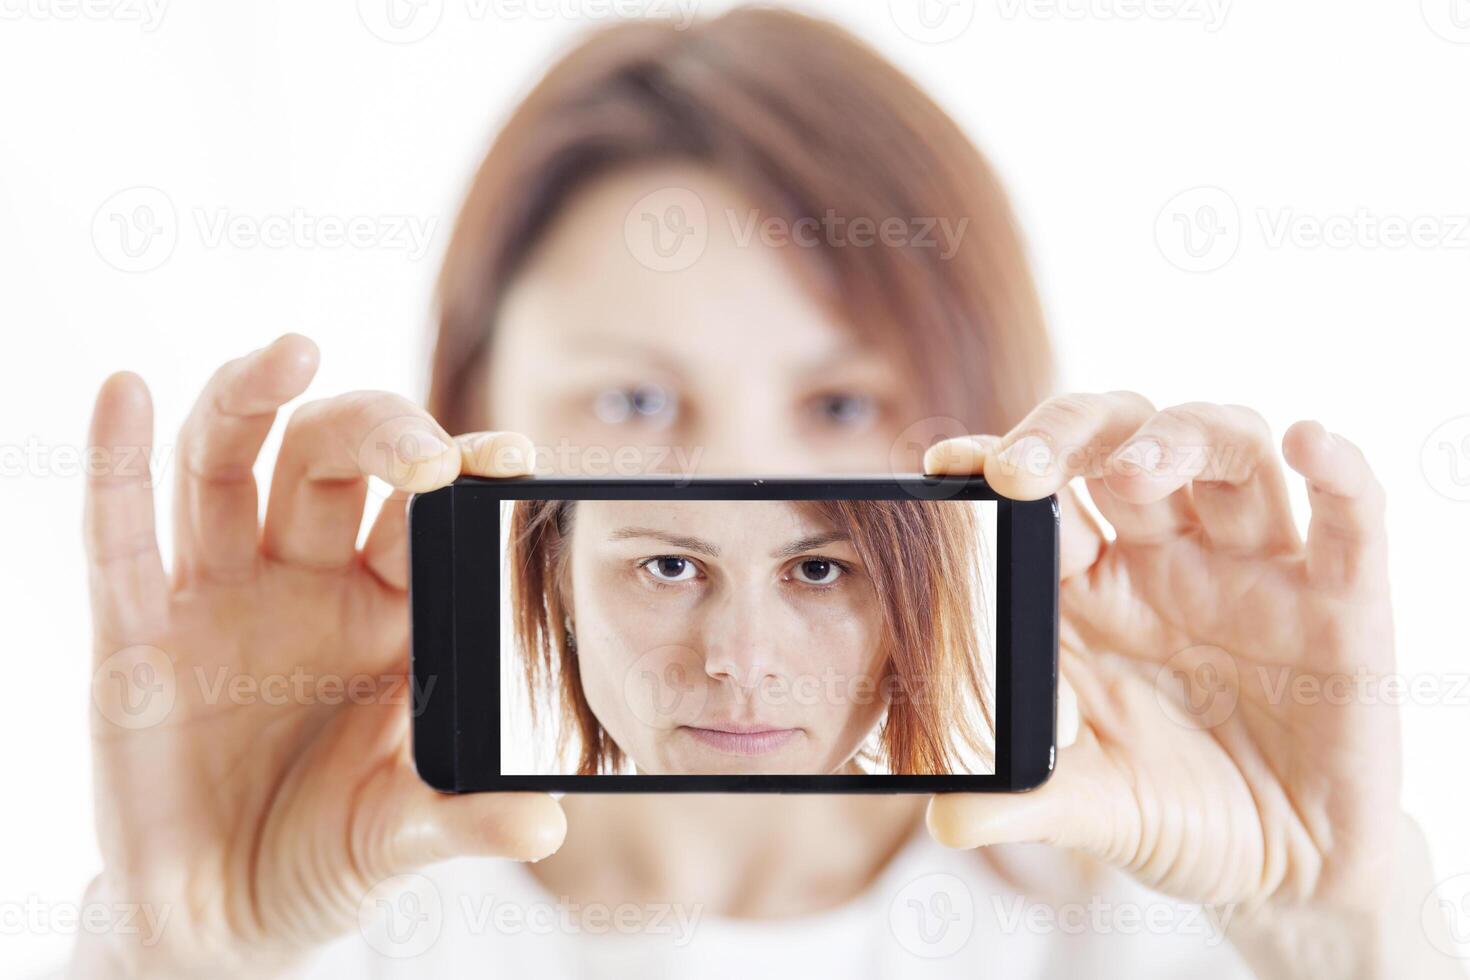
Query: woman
x,y
678,245
752,636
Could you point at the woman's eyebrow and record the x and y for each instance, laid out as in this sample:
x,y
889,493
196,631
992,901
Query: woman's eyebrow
x,y
808,543
677,540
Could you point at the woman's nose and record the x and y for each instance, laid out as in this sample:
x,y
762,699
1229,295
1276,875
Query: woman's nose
x,y
736,445
740,638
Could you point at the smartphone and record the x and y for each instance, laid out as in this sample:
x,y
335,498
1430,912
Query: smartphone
x,y
672,634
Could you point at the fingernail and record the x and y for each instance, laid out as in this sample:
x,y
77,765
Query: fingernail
x,y
1141,456
1030,454
955,456
514,456
418,446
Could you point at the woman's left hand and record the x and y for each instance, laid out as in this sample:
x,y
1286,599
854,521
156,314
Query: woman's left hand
x,y
1236,742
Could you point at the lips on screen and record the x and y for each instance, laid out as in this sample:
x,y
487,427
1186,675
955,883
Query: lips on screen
x,y
686,637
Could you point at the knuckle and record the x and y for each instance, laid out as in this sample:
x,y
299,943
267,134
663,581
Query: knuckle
x,y
1372,492
1375,494
374,408
226,374
1198,419
1250,422
1132,400
308,414
1068,409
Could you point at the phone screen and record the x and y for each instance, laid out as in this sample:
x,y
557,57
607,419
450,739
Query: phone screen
x,y
807,635
678,637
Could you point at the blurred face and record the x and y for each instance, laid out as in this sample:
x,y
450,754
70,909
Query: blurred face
x,y
724,637
616,361
720,363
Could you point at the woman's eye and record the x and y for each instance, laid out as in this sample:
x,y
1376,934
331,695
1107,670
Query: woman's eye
x,y
670,568
846,410
649,403
817,571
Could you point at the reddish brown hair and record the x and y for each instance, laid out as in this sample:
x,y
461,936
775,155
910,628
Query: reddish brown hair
x,y
804,119
926,566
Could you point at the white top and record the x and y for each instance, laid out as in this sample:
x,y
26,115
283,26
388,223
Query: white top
x,y
932,912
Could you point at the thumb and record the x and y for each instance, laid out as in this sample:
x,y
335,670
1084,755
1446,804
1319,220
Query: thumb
x,y
400,913
1044,815
429,826
969,820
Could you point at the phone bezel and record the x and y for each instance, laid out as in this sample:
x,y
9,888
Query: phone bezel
x,y
456,744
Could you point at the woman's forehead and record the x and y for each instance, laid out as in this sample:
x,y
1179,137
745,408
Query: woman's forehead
x,y
588,292
726,520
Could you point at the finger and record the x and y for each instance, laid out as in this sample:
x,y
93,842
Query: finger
x,y
329,450
1347,540
1073,435
216,517
1081,537
1063,437
496,455
1069,717
961,456
399,823
1059,812
1225,454
129,587
431,827
488,454
971,820
385,553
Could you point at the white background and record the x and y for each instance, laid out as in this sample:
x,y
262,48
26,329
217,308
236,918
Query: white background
x,y
1098,114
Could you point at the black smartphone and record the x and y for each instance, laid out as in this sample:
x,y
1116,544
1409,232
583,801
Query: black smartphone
x,y
733,635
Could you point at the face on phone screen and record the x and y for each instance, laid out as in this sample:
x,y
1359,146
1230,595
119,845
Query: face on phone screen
x,y
727,637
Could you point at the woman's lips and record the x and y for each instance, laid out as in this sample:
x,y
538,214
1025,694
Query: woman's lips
x,y
758,741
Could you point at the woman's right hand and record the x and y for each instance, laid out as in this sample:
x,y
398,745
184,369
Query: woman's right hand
x,y
250,716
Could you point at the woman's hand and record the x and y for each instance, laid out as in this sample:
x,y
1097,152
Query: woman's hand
x,y
250,709
1235,745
